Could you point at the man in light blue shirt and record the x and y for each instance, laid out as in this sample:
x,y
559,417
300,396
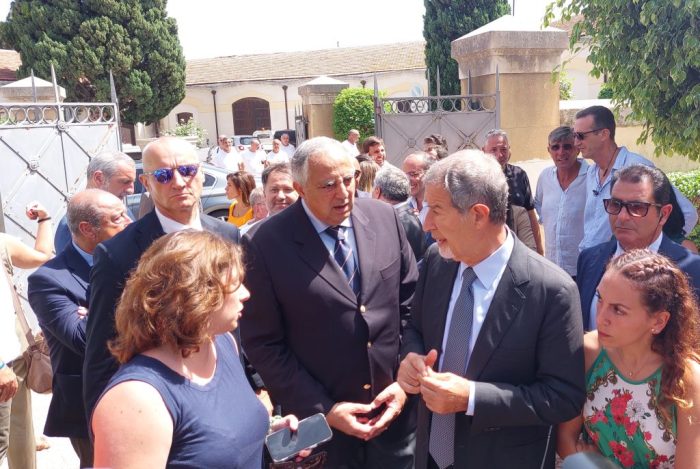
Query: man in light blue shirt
x,y
594,133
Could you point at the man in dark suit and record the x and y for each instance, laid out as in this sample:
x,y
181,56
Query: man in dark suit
x,y
330,278
58,295
391,186
639,211
494,345
171,175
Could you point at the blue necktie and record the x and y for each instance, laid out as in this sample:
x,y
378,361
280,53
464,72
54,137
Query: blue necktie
x,y
342,252
442,430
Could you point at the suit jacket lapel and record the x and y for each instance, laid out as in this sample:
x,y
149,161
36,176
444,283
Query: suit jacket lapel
x,y
365,239
77,266
670,249
507,303
314,253
149,230
440,292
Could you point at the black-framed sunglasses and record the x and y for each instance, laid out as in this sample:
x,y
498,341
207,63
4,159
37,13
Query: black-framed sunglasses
x,y
582,135
635,209
565,146
165,175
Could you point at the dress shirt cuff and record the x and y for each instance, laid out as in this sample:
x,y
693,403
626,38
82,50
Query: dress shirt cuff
x,y
472,398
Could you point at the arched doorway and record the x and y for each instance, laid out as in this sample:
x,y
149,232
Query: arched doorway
x,y
249,115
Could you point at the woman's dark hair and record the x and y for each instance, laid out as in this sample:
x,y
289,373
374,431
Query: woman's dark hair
x,y
244,182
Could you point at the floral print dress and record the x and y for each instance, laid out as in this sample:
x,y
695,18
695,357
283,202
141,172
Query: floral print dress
x,y
622,417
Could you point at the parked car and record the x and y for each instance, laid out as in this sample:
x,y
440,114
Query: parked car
x,y
265,137
242,142
213,201
292,135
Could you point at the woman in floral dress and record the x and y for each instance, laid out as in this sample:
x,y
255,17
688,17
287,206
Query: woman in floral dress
x,y
642,408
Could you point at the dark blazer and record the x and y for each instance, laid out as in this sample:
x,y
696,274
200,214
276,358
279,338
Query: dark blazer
x,y
592,262
414,230
56,290
527,363
311,339
114,259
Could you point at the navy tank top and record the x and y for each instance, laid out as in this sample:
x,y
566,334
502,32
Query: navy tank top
x,y
219,424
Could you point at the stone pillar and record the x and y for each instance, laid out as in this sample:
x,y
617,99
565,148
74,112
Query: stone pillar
x,y
317,98
525,56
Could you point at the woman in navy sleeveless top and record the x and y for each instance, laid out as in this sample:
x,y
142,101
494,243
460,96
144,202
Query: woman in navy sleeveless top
x,y
181,398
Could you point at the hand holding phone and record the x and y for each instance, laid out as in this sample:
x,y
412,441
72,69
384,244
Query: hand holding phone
x,y
312,431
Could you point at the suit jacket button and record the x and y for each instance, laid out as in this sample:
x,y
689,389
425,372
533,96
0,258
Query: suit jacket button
x,y
366,387
369,344
363,309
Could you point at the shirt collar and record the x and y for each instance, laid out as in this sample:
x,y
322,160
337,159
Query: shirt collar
x,y
320,226
85,255
489,270
171,226
653,247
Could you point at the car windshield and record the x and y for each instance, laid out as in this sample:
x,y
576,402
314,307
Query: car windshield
x,y
245,140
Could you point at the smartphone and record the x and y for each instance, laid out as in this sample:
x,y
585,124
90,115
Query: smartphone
x,y
312,431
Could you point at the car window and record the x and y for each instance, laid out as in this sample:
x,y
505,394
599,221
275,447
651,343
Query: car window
x,y
138,187
209,180
246,140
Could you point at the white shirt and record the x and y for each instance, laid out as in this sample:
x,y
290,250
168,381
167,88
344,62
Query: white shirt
x,y
228,161
279,157
423,212
351,148
253,163
289,149
653,247
171,226
488,275
561,214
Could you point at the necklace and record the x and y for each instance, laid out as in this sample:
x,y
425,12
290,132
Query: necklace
x,y
632,372
607,168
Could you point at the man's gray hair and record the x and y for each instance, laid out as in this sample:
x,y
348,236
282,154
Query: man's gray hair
x,y
561,133
311,148
108,162
84,209
393,184
257,196
472,177
496,133
425,159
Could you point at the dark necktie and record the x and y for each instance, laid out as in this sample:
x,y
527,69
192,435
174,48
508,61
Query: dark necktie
x,y
342,252
442,430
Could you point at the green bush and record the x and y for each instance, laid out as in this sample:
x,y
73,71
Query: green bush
x,y
605,92
565,87
689,184
353,109
189,129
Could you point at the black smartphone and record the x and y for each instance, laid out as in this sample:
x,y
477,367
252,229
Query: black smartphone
x,y
312,431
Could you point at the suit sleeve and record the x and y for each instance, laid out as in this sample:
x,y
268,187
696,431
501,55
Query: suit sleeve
x,y
106,285
412,339
57,311
262,332
558,391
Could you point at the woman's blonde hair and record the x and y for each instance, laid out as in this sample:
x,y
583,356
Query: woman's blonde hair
x,y
168,299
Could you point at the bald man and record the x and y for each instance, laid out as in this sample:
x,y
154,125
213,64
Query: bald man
x,y
171,173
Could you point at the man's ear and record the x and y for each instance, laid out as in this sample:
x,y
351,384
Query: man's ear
x,y
665,212
297,187
87,230
481,214
144,181
99,178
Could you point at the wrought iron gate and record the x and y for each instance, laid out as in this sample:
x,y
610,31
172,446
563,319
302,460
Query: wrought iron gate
x,y
403,123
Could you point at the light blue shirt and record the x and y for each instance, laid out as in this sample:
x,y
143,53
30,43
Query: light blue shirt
x,y
593,314
85,255
328,240
561,214
596,218
488,275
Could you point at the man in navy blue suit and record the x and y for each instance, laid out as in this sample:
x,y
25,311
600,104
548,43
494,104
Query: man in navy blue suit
x,y
58,296
172,176
639,208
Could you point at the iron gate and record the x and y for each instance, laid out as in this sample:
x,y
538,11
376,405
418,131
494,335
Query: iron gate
x,y
403,123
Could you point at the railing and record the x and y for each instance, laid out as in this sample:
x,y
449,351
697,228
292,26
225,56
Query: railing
x,y
465,104
24,114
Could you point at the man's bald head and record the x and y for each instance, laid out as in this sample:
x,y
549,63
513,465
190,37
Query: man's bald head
x,y
95,215
166,147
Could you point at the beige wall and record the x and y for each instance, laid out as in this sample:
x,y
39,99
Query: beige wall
x,y
529,109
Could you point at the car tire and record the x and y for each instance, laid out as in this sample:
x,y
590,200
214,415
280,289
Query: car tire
x,y
220,214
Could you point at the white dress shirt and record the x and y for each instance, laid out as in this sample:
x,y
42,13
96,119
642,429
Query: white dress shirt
x,y
171,226
488,276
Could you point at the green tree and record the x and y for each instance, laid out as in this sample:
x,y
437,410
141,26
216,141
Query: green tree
x,y
353,109
85,39
650,52
445,21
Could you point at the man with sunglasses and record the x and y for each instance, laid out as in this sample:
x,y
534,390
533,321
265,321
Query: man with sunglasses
x,y
560,198
172,175
594,133
638,208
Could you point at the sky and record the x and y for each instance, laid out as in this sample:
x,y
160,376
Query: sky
x,y
213,28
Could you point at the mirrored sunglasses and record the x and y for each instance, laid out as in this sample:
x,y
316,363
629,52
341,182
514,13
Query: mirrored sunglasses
x,y
165,175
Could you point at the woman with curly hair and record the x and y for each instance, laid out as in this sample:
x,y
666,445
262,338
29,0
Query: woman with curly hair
x,y
181,397
643,369
239,185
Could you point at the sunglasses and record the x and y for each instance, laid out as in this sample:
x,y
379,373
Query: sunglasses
x,y
582,135
635,209
165,175
565,146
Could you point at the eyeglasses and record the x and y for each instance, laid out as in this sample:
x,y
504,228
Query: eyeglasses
x,y
635,209
565,146
165,175
415,174
582,135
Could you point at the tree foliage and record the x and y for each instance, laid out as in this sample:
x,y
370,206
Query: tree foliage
x,y
445,21
353,109
85,39
650,52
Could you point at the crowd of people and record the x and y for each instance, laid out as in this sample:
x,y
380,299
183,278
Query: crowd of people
x,y
432,309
